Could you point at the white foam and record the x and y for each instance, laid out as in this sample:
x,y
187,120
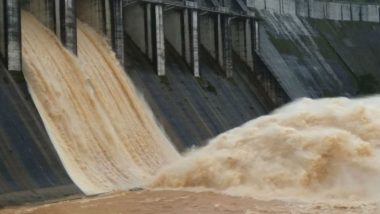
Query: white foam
x,y
324,150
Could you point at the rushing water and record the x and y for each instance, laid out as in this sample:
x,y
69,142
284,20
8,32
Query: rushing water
x,y
323,150
104,133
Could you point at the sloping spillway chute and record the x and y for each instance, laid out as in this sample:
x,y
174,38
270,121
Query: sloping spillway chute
x,y
103,131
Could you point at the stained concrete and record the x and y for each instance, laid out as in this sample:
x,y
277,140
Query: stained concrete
x,y
30,169
11,35
192,109
357,47
302,59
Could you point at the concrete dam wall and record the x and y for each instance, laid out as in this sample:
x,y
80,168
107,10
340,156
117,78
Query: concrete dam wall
x,y
202,66
194,62
320,57
304,62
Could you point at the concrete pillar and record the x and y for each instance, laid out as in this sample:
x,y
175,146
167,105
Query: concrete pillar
x,y
115,27
190,39
194,29
224,44
158,39
66,28
10,30
59,16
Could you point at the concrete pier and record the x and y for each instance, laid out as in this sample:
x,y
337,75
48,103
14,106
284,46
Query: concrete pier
x,y
225,44
190,34
158,39
59,16
10,35
192,52
66,28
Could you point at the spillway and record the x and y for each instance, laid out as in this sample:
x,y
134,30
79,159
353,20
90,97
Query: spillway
x,y
324,150
104,133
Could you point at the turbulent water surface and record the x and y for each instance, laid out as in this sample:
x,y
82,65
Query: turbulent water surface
x,y
104,133
318,150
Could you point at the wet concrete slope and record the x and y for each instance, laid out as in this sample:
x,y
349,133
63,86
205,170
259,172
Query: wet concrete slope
x,y
30,169
358,47
190,109
305,62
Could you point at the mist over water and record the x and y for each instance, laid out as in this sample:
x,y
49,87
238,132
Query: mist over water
x,y
318,150
104,133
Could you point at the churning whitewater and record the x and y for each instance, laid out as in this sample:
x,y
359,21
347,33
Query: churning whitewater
x,y
322,150
105,135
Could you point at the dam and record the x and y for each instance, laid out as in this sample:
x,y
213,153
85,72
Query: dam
x,y
201,66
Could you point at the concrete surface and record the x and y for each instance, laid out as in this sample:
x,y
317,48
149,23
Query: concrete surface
x,y
302,59
30,169
191,109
